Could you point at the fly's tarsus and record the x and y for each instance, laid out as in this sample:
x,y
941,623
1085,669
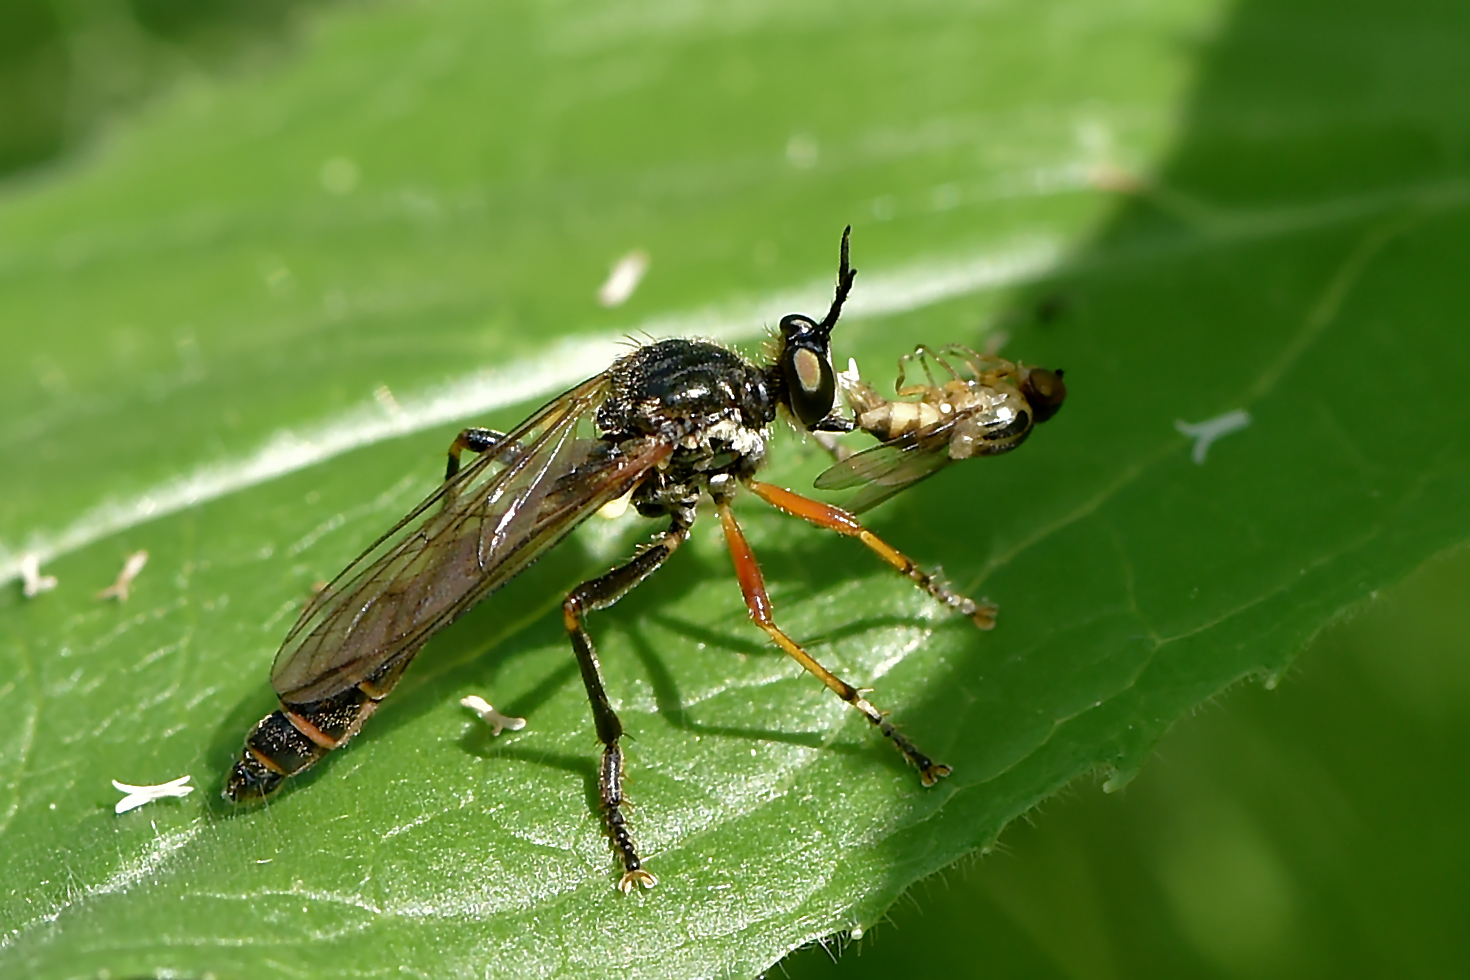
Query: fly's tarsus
x,y
930,772
836,519
619,834
599,593
667,425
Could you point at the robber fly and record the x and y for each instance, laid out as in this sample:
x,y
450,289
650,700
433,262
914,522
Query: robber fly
x,y
979,405
670,423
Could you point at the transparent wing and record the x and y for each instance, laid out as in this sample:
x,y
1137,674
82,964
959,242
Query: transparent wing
x,y
498,515
885,469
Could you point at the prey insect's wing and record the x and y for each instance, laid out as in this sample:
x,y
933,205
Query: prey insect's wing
x,y
483,526
887,468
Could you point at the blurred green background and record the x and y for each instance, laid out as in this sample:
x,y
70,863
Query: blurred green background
x,y
1310,830
1314,830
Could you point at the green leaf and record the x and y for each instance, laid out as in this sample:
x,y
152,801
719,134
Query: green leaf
x,y
242,336
1266,840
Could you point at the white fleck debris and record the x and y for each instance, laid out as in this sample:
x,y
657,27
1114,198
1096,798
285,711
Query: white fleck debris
x,y
384,396
138,795
623,278
33,583
1205,433
497,721
119,590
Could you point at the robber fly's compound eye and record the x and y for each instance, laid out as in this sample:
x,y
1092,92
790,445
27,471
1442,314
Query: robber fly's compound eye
x,y
1044,390
806,366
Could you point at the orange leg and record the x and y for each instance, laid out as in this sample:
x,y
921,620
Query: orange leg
x,y
753,584
839,520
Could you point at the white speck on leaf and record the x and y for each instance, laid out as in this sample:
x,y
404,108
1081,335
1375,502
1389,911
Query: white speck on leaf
x,y
1205,433
33,583
139,795
623,278
119,590
384,396
497,721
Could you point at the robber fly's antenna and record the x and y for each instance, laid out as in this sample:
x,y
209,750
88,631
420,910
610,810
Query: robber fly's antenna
x,y
845,275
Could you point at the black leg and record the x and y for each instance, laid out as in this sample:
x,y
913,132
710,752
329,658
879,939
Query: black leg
x,y
600,593
476,440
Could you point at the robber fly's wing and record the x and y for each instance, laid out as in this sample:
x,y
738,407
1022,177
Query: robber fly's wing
x,y
883,470
495,517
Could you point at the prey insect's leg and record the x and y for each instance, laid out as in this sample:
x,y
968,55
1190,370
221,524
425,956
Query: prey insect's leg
x,y
600,593
839,520
829,442
753,584
476,440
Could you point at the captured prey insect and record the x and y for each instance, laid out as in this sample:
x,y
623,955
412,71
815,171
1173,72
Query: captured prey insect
x,y
982,405
670,423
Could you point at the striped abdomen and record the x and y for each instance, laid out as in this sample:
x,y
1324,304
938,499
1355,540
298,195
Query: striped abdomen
x,y
890,420
292,739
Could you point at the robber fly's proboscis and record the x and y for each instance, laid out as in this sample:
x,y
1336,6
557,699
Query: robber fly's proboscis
x,y
669,423
966,405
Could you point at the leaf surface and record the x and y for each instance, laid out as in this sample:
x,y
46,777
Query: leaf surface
x,y
242,336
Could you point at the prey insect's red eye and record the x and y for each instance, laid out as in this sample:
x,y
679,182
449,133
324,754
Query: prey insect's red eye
x,y
1045,390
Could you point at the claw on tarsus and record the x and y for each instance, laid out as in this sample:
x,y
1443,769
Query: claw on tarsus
x,y
934,774
984,614
637,876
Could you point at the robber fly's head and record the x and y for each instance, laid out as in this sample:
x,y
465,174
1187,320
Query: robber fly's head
x,y
808,384
805,380
1043,390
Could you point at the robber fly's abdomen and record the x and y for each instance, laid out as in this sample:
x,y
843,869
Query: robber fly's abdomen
x,y
292,739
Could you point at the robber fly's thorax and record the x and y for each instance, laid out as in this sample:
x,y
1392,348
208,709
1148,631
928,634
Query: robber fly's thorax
x,y
713,405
